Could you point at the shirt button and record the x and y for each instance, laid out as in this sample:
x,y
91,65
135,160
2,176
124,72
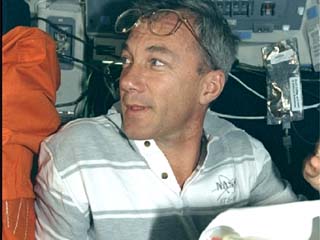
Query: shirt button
x,y
164,175
147,143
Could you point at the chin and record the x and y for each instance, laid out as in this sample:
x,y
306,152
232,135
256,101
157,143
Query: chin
x,y
135,132
137,135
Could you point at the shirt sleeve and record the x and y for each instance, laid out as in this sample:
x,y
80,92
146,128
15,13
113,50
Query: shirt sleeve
x,y
59,216
269,187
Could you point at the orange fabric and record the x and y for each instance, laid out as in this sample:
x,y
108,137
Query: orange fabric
x,y
30,79
18,219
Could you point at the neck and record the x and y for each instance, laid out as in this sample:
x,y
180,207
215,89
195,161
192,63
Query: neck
x,y
183,155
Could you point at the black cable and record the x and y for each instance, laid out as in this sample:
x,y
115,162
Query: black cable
x,y
55,26
101,92
91,106
252,67
249,71
287,142
93,67
90,92
87,64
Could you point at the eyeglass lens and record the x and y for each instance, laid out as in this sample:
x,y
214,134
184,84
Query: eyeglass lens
x,y
127,20
164,22
160,22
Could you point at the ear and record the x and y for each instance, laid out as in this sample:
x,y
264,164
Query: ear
x,y
212,86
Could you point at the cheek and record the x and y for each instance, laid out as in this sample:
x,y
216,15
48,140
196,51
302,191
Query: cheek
x,y
175,102
189,91
183,88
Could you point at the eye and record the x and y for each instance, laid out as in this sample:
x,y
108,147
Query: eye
x,y
125,61
156,62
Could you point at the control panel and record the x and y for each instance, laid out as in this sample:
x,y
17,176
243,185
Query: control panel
x,y
262,15
65,44
65,15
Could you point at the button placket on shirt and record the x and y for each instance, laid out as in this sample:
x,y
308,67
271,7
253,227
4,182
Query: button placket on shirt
x,y
164,175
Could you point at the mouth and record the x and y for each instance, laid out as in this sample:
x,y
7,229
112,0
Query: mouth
x,y
135,109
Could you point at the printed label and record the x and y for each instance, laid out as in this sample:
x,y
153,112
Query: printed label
x,y
282,57
295,94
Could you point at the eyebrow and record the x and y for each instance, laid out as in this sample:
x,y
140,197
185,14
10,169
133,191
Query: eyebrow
x,y
153,49
160,49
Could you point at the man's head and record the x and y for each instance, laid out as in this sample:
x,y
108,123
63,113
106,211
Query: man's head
x,y
175,61
209,25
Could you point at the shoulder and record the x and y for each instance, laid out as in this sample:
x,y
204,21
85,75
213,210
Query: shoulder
x,y
235,142
227,132
87,139
90,141
84,130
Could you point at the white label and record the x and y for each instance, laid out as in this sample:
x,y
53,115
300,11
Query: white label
x,y
295,94
282,57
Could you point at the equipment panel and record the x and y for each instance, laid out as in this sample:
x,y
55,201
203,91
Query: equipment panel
x,y
261,15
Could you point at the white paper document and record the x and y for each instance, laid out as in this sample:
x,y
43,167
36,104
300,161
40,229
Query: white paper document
x,y
291,221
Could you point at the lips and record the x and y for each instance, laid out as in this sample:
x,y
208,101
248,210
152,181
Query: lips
x,y
136,107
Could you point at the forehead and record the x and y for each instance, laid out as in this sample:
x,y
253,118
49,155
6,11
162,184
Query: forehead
x,y
165,27
167,19
163,21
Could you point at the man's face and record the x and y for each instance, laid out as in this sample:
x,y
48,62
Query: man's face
x,y
160,84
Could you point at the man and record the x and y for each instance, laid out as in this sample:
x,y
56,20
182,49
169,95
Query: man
x,y
30,79
165,167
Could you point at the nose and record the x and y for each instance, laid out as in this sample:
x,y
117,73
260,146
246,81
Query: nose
x,y
132,79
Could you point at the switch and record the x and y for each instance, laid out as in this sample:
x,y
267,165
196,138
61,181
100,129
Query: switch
x,y
267,9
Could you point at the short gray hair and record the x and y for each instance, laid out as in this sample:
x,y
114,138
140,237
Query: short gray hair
x,y
210,25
